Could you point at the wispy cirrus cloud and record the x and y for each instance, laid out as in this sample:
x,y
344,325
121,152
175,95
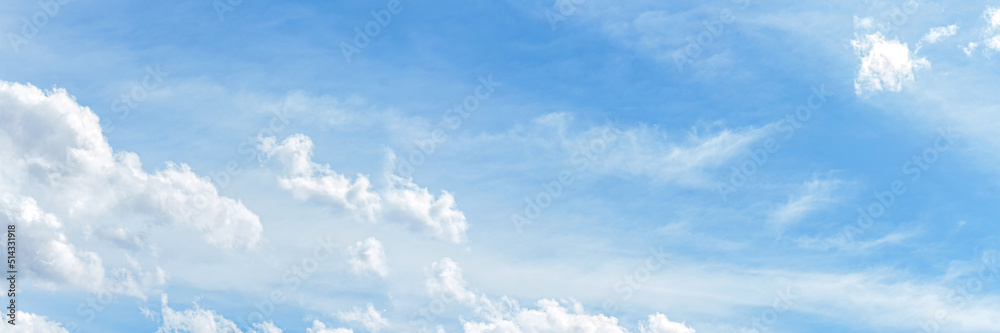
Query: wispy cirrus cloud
x,y
813,195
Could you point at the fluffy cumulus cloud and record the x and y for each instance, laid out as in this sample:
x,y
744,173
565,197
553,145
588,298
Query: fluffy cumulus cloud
x,y
658,323
320,327
992,32
32,323
195,320
553,317
444,279
58,262
550,317
265,327
939,33
54,259
306,179
368,257
400,200
58,155
423,211
199,320
368,317
885,64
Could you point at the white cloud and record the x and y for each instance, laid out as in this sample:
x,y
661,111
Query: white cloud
x,y
133,281
196,320
58,155
990,35
840,242
658,323
199,320
319,327
937,34
992,32
265,327
865,23
550,317
367,256
684,157
58,262
409,202
401,199
193,201
971,48
885,64
648,151
32,323
123,238
306,179
444,279
815,195
368,317
54,259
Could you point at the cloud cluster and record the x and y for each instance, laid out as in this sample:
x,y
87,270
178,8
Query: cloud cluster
x,y
991,34
60,174
445,281
33,323
193,320
320,327
885,64
658,323
399,200
368,257
370,318
549,317
58,155
307,180
53,258
199,320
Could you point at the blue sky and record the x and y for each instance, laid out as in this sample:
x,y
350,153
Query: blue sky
x,y
503,166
